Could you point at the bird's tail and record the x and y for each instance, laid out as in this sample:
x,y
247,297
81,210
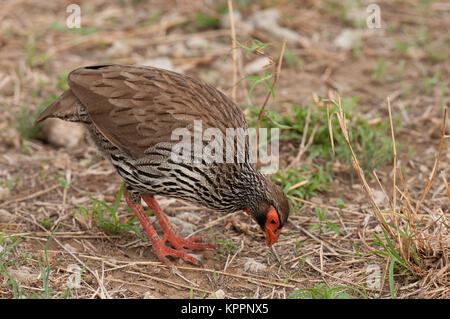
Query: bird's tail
x,y
64,107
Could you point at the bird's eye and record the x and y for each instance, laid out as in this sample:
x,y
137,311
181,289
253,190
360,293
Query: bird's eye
x,y
273,221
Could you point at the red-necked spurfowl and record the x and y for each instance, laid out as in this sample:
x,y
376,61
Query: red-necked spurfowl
x,y
132,112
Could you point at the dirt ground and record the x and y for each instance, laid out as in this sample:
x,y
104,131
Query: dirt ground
x,y
407,59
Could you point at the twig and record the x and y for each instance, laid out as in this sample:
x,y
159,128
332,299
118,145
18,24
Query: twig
x,y
212,223
63,247
394,148
303,149
394,180
330,128
328,206
262,281
305,128
317,239
23,198
234,53
374,173
436,163
228,263
261,111
175,284
343,125
298,185
350,283
446,184
129,283
405,188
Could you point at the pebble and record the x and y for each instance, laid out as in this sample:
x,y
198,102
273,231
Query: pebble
x,y
23,276
253,266
4,193
162,63
225,19
118,49
267,21
219,294
257,65
348,38
63,134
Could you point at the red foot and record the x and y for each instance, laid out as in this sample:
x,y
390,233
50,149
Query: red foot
x,y
161,250
170,235
191,243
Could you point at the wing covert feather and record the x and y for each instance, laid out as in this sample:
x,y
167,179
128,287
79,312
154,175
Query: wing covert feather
x,y
137,107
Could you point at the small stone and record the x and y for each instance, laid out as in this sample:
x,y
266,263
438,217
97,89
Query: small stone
x,y
162,63
183,227
63,134
219,294
379,197
179,50
348,38
196,42
164,49
189,217
148,295
5,216
378,229
9,136
253,266
423,169
366,221
257,65
84,220
4,192
267,20
70,248
225,19
358,15
23,276
118,49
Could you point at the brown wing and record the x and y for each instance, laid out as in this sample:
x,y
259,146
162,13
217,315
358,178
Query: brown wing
x,y
64,107
136,107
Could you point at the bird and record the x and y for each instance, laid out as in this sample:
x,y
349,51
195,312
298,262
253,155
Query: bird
x,y
131,113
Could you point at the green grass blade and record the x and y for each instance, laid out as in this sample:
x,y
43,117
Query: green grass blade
x,y
393,252
391,278
109,208
118,198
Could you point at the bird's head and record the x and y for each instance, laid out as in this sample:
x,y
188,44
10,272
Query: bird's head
x,y
271,212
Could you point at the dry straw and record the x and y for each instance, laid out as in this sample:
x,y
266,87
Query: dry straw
x,y
413,241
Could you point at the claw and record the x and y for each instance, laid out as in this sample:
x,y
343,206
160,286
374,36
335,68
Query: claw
x,y
159,245
162,251
170,234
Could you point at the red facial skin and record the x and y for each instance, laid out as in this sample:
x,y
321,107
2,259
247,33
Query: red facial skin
x,y
271,226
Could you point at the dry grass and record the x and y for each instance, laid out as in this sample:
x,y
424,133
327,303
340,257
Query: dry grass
x,y
412,238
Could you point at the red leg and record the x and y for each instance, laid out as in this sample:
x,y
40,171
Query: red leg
x,y
170,233
158,245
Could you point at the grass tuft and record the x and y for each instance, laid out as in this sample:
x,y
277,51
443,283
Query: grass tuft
x,y
407,241
323,291
25,119
106,216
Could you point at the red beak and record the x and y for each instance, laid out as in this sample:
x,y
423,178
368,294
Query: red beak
x,y
271,237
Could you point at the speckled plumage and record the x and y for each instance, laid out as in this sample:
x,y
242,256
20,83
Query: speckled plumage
x,y
131,112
